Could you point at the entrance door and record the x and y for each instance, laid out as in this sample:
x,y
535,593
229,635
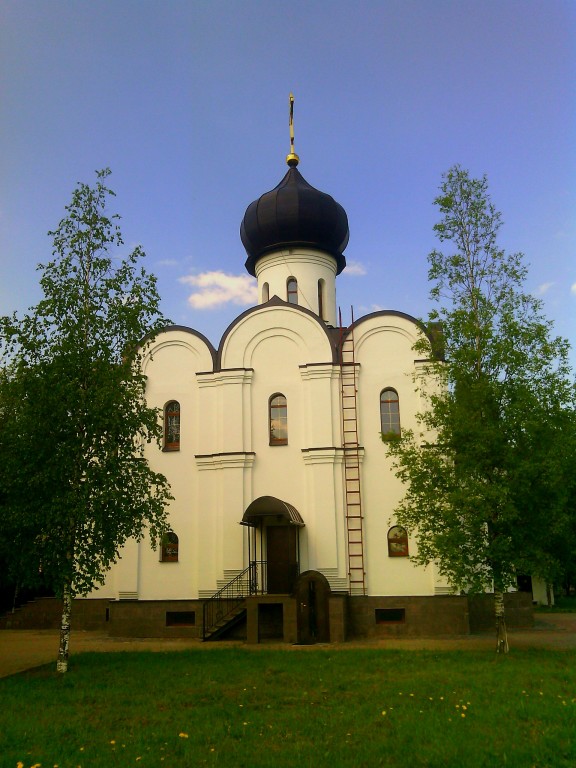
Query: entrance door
x,y
312,593
282,557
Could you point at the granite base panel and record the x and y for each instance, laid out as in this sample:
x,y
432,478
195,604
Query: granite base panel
x,y
374,617
351,617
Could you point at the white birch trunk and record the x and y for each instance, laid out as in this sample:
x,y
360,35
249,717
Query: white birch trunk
x,y
62,663
501,633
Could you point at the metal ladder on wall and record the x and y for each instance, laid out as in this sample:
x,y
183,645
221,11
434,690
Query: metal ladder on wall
x,y
352,491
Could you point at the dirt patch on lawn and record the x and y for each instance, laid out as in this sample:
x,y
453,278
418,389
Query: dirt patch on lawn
x,y
24,649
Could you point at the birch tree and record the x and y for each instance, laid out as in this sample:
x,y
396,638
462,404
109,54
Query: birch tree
x,y
74,483
487,476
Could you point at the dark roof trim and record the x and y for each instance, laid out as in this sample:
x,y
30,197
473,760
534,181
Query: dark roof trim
x,y
270,506
225,453
432,331
222,370
191,331
330,448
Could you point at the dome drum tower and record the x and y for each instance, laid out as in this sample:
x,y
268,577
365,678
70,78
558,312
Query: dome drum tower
x,y
295,237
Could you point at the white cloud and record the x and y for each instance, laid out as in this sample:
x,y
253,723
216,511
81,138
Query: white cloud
x,y
217,288
364,309
167,263
543,288
354,268
573,288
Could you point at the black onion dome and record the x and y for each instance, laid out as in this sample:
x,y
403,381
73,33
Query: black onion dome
x,y
294,214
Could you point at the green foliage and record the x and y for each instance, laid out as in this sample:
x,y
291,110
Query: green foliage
x,y
389,436
74,484
489,473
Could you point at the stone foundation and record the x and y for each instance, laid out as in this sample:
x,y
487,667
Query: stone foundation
x,y
46,613
379,617
274,617
518,609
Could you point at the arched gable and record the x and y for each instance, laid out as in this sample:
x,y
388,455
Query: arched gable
x,y
391,322
185,341
280,320
396,330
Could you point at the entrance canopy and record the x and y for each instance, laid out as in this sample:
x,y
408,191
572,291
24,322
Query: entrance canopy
x,y
271,507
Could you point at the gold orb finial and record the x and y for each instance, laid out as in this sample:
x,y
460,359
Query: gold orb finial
x,y
292,159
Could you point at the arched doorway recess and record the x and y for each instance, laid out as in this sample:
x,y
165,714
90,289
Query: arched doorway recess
x,y
313,612
274,543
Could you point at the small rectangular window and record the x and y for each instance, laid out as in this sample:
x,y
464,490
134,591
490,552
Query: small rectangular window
x,y
180,618
390,615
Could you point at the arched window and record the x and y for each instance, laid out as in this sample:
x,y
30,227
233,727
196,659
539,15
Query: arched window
x,y
169,548
265,293
397,542
321,299
172,426
389,413
292,290
278,420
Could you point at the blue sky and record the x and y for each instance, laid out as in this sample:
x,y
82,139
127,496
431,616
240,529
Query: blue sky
x,y
187,103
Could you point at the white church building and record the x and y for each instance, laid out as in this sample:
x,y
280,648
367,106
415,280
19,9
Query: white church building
x,y
282,525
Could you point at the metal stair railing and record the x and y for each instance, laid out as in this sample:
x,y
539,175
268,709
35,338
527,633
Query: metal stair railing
x,y
223,605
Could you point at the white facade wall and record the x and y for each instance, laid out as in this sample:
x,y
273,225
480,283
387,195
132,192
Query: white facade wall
x,y
225,460
384,352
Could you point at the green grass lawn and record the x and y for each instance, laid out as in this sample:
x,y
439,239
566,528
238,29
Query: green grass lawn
x,y
318,707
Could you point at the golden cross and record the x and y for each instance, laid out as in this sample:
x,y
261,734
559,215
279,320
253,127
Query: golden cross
x,y
292,159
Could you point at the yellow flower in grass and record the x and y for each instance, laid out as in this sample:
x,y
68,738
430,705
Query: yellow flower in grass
x,y
183,735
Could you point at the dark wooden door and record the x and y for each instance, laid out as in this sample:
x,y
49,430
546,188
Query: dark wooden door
x,y
312,593
282,557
